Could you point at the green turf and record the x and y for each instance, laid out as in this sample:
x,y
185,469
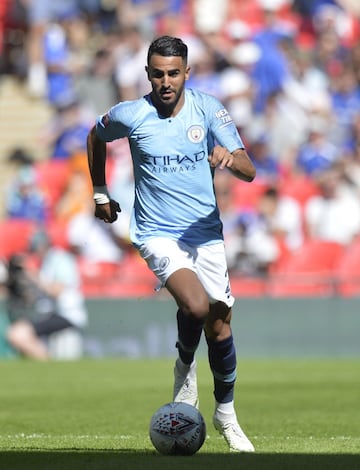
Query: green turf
x,y
94,414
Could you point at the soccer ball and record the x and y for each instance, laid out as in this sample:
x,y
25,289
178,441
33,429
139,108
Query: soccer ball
x,y
177,429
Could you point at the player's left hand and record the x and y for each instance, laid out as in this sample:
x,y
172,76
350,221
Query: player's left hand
x,y
220,157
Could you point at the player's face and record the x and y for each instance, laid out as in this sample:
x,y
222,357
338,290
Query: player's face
x,y
167,76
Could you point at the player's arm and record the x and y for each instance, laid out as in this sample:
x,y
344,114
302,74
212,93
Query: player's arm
x,y
238,162
105,207
227,136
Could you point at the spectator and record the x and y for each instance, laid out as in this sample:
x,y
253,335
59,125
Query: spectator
x,y
237,87
205,76
42,14
96,87
334,214
19,157
306,83
268,168
52,294
317,153
149,15
75,198
209,15
24,200
94,241
272,68
282,113
345,99
65,135
129,76
264,234
352,156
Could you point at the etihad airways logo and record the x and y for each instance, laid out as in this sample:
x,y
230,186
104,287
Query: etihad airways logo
x,y
174,163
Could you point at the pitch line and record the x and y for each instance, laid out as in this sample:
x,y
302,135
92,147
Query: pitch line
x,y
129,436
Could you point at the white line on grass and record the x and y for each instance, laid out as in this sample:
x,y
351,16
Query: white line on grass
x,y
66,436
128,436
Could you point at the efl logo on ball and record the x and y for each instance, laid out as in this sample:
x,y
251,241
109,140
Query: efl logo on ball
x,y
177,429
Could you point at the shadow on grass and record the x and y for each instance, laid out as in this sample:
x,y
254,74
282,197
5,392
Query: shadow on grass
x,y
132,460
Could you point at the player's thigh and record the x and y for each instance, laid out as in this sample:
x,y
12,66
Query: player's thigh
x,y
188,292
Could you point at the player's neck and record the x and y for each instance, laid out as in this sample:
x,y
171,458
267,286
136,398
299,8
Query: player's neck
x,y
170,110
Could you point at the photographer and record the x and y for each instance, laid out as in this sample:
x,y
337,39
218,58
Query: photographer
x,y
40,304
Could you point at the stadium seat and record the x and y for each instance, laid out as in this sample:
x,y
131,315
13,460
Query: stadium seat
x,y
14,236
97,270
57,231
129,278
95,276
309,271
52,178
247,286
299,187
246,195
136,279
348,271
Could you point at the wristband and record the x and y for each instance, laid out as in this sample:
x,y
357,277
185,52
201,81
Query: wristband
x,y
101,195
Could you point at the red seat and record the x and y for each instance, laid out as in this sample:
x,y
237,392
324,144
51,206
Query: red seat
x,y
57,231
247,286
95,276
52,178
14,236
246,195
97,270
299,187
348,271
309,271
128,278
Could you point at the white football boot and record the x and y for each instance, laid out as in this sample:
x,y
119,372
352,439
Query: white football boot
x,y
228,426
185,383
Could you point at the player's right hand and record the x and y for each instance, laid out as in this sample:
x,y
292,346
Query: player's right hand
x,y
108,212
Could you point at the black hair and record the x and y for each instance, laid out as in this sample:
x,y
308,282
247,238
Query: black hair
x,y
272,192
167,46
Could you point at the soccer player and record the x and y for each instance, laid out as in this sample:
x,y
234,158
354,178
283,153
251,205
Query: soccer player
x,y
178,137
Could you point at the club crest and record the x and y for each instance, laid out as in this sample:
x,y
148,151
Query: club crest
x,y
196,134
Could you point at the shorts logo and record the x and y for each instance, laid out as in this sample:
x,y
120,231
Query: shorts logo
x,y
105,120
196,134
164,263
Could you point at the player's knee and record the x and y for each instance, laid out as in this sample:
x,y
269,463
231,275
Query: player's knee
x,y
217,330
217,325
197,308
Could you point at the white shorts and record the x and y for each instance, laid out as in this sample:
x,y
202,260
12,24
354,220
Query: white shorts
x,y
165,256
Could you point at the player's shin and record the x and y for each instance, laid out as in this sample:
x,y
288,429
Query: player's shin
x,y
189,334
222,360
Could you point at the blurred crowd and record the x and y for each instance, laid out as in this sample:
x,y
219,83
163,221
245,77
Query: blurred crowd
x,y
287,70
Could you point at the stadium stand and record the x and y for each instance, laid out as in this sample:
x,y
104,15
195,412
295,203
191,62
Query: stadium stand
x,y
309,271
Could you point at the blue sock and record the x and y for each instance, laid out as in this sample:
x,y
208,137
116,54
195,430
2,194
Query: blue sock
x,y
222,360
189,334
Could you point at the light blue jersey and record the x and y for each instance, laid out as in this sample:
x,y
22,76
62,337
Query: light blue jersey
x,y
174,191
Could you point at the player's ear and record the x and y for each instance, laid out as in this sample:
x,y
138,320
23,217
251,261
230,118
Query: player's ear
x,y
147,72
187,72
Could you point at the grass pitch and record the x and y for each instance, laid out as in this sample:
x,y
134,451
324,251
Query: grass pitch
x,y
94,415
